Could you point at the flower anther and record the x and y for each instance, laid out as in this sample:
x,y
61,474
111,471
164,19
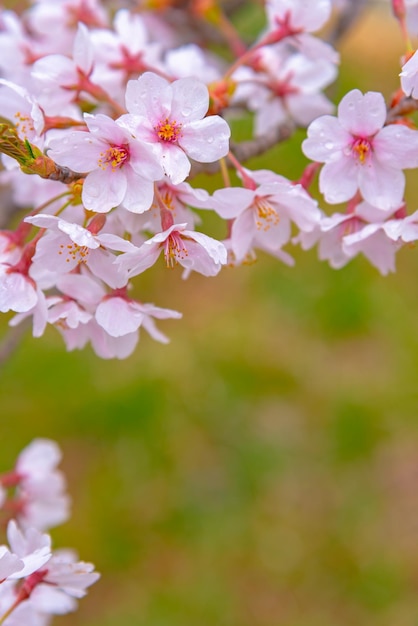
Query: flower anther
x,y
24,124
74,252
115,156
361,148
175,249
168,131
267,215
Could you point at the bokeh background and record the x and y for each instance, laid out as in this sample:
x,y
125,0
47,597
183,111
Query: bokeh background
x,y
261,469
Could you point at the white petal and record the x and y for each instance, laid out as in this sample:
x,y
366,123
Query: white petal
x,y
206,140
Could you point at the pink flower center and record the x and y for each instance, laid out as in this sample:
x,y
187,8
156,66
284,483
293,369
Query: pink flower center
x,y
175,249
266,215
168,131
80,254
361,149
115,156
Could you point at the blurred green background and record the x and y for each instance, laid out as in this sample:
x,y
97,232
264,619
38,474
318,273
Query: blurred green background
x,y
261,469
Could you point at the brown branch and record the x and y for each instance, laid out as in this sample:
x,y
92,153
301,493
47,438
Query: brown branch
x,y
404,107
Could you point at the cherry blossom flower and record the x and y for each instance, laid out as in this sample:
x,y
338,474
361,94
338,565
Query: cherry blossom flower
x,y
123,53
59,79
284,86
29,545
328,234
54,22
22,109
292,21
171,117
60,581
67,245
360,153
121,168
16,44
342,236
299,15
263,215
40,500
192,250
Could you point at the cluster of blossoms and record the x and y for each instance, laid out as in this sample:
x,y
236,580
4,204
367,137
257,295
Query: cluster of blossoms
x,y
37,582
117,111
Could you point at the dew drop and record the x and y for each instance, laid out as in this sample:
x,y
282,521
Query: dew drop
x,y
329,145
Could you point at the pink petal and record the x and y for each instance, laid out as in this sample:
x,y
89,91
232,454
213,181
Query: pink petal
x,y
362,115
338,180
206,140
17,293
242,235
78,150
139,192
190,100
149,96
381,185
175,164
326,139
117,317
103,190
397,146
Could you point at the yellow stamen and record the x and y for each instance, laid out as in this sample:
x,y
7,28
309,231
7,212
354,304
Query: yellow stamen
x,y
362,147
115,156
168,131
267,215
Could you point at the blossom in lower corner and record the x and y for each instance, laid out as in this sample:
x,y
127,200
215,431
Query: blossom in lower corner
x,y
39,498
47,582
